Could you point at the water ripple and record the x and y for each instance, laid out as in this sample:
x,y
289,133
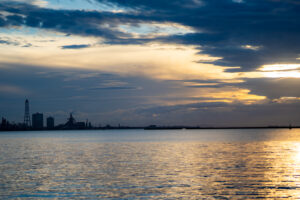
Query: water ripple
x,y
64,168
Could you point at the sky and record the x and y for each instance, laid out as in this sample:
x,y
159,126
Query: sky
x,y
142,62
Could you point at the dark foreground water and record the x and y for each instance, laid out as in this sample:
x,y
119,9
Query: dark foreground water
x,y
138,164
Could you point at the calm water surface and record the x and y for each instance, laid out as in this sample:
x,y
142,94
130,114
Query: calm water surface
x,y
138,164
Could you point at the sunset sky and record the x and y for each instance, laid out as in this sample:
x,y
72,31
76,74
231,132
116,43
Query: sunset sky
x,y
141,62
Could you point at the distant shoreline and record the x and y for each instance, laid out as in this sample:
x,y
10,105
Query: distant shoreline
x,y
159,128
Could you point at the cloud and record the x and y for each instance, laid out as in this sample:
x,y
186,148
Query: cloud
x,y
12,89
110,98
41,3
87,23
287,100
214,114
227,26
155,61
273,88
14,42
76,46
245,34
114,88
7,42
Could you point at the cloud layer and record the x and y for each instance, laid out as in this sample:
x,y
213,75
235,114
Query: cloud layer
x,y
245,34
160,61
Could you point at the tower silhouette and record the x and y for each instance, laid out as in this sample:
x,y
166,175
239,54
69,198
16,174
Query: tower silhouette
x,y
27,121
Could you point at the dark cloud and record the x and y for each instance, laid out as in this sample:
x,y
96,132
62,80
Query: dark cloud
x,y
111,99
114,88
216,114
66,90
274,88
79,22
213,83
8,42
222,26
76,46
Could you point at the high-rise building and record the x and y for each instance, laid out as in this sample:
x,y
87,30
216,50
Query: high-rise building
x,y
50,123
27,121
37,121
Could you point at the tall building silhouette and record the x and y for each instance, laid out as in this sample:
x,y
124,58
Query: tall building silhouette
x,y
27,121
50,123
37,121
71,121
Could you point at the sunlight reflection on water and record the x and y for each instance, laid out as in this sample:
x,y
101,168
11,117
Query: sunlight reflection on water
x,y
136,164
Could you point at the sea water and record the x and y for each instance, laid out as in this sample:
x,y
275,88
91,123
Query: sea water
x,y
150,164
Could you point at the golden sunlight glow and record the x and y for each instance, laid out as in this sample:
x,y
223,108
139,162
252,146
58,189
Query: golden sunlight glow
x,y
287,100
209,95
155,61
251,47
282,74
232,94
297,154
279,67
195,84
282,159
274,71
